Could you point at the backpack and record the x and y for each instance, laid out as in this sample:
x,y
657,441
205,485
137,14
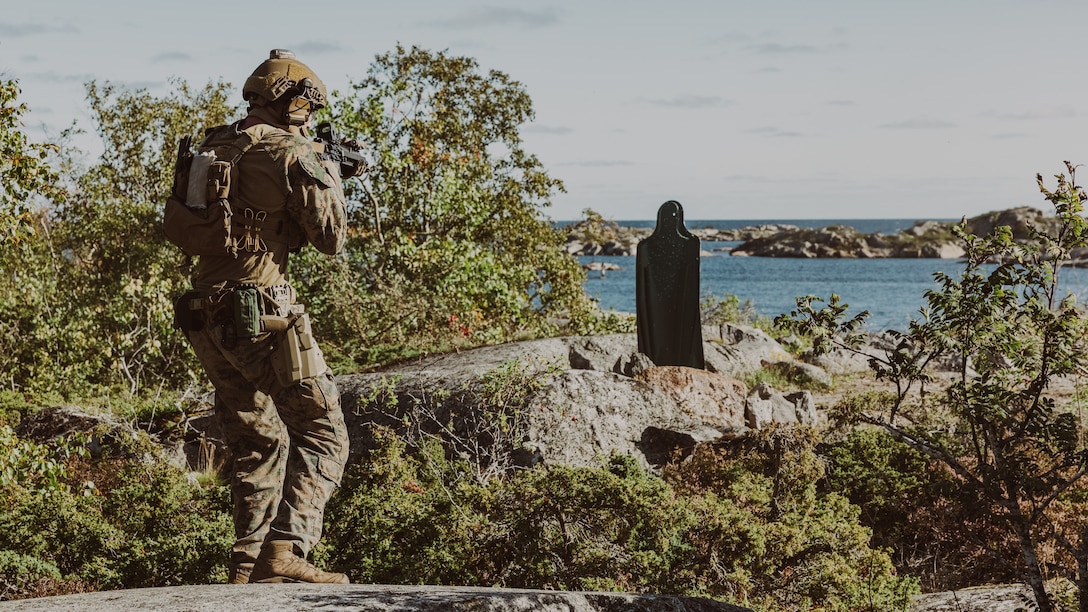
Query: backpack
x,y
198,216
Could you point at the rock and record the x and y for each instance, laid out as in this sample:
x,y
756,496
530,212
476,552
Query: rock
x,y
103,434
711,398
765,406
600,396
1002,598
1017,219
926,239
363,598
599,352
584,416
799,370
739,350
841,361
633,365
601,266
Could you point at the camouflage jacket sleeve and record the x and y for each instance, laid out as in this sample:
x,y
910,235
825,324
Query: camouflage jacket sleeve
x,y
316,200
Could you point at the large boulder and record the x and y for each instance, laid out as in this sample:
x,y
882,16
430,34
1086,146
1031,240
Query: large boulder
x,y
583,416
590,396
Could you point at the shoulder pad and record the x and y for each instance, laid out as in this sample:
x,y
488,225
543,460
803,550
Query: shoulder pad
x,y
286,145
218,136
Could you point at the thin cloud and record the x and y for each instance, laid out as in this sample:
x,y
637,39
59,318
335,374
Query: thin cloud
x,y
779,49
840,102
760,179
598,163
920,123
53,77
488,16
689,101
22,30
748,178
172,56
1058,112
318,47
732,38
773,132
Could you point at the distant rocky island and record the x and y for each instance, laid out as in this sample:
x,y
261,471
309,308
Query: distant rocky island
x,y
924,240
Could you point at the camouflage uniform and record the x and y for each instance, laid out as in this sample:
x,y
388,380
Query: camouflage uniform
x,y
289,442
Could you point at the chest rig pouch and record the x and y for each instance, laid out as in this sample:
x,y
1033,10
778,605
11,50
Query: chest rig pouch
x,y
200,216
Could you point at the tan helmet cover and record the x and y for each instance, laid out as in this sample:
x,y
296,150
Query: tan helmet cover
x,y
279,74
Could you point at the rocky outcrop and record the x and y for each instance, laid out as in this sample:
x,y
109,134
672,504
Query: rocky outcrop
x,y
1019,220
1001,598
590,396
363,598
612,239
599,396
924,240
422,598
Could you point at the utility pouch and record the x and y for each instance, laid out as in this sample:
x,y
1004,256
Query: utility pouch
x,y
247,311
196,192
218,180
186,318
297,356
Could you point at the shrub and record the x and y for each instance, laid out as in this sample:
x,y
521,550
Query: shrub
x,y
117,523
744,525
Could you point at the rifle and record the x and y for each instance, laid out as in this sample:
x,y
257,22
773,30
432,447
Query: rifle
x,y
348,154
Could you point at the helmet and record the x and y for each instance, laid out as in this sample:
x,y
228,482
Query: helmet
x,y
282,74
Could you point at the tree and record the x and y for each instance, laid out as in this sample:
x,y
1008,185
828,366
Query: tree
x,y
24,169
448,235
28,183
127,274
89,306
1012,332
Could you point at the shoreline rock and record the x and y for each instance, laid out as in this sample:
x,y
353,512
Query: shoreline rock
x,y
926,239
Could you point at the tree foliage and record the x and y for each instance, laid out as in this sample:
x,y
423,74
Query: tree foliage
x,y
25,170
88,299
449,245
1013,333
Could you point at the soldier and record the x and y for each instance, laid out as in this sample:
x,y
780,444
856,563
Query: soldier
x,y
274,396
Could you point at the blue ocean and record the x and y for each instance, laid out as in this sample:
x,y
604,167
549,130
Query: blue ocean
x,y
892,290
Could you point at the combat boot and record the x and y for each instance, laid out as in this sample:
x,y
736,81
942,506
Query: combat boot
x,y
239,573
279,563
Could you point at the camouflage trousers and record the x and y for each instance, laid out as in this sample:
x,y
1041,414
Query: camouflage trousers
x,y
289,444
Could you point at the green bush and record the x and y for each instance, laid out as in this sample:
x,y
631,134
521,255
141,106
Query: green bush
x,y
746,526
119,523
1013,331
940,533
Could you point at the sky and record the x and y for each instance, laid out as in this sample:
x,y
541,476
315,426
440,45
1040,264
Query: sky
x,y
771,109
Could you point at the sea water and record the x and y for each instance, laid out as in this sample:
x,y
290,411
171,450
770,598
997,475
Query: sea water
x,y
891,290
